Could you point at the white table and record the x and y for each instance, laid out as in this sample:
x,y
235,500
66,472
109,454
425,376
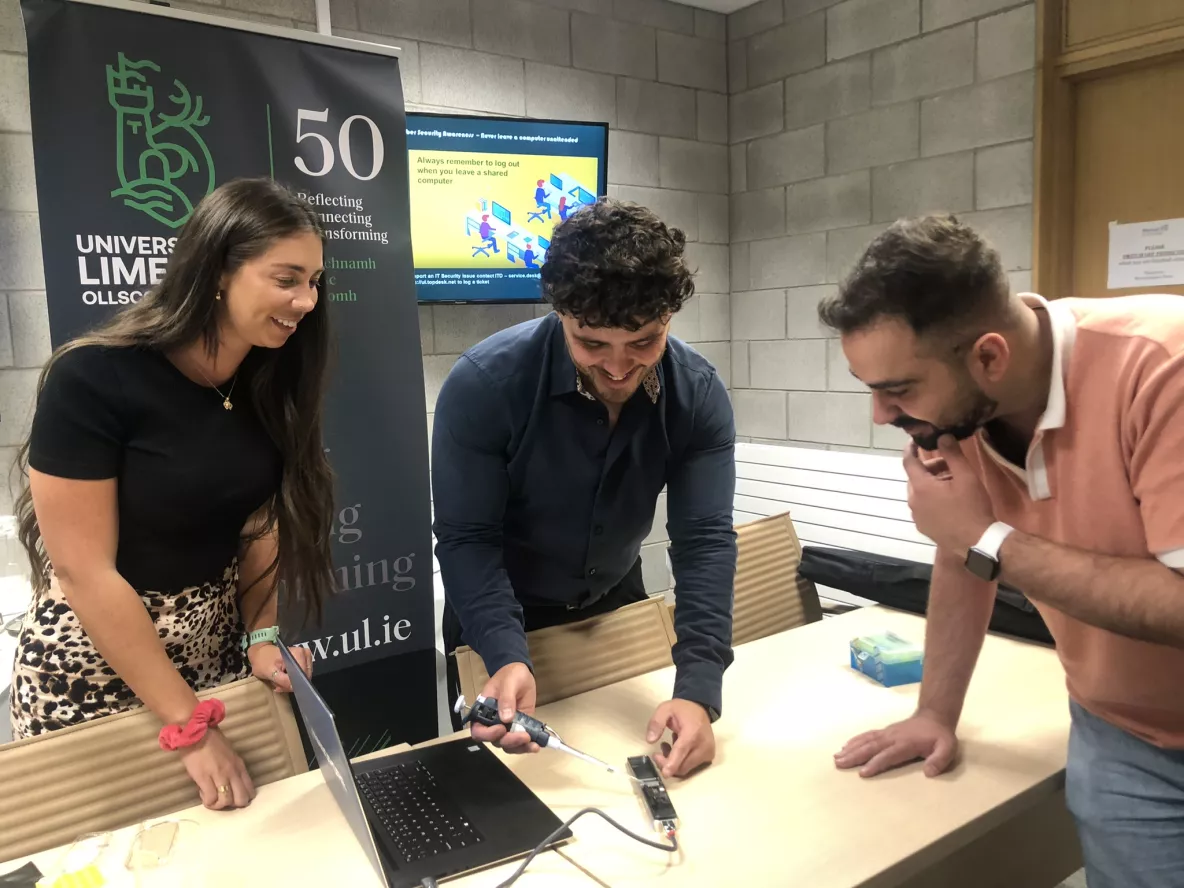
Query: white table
x,y
773,809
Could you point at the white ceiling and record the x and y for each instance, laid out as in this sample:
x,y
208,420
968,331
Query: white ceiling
x,y
718,5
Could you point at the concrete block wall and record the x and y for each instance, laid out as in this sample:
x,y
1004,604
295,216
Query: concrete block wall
x,y
780,139
843,116
24,324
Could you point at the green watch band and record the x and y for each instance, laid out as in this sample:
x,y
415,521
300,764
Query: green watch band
x,y
259,636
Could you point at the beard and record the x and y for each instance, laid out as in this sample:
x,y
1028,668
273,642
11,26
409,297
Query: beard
x,y
594,383
975,411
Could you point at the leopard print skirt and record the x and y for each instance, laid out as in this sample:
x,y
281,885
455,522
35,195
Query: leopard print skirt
x,y
60,679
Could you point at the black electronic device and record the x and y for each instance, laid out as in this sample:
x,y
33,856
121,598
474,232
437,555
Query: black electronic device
x,y
651,789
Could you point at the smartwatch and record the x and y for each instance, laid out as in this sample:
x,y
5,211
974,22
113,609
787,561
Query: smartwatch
x,y
983,559
259,636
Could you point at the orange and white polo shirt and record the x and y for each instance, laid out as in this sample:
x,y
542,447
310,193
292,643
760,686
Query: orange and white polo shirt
x,y
1105,473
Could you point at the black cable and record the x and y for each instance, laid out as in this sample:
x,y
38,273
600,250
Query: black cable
x,y
672,847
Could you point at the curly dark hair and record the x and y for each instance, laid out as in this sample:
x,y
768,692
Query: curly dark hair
x,y
934,273
616,264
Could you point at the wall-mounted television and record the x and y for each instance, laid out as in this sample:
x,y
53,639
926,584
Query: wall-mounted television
x,y
486,193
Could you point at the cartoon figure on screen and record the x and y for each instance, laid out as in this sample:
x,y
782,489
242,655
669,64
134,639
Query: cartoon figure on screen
x,y
564,209
541,203
488,240
528,255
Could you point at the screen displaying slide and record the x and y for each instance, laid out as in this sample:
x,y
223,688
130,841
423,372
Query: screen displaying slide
x,y
486,194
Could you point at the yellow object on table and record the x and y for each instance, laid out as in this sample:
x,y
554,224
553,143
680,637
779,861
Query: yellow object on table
x,y
87,877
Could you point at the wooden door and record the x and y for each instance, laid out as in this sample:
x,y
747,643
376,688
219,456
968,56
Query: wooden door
x,y
1110,132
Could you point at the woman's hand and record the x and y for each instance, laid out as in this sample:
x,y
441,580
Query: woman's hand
x,y
219,773
267,665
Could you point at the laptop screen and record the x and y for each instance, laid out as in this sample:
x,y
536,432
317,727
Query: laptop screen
x,y
332,757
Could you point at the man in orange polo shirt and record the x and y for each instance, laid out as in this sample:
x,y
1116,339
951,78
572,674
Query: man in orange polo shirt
x,y
1048,453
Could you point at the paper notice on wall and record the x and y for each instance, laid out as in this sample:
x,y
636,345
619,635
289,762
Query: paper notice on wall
x,y
1146,254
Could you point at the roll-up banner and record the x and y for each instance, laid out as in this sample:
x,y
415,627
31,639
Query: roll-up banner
x,y
140,111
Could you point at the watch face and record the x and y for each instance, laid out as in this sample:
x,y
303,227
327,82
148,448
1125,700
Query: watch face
x,y
982,566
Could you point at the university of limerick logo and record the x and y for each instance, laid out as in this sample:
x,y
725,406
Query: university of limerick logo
x,y
165,167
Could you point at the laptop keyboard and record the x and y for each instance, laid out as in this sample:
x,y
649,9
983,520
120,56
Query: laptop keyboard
x,y
419,818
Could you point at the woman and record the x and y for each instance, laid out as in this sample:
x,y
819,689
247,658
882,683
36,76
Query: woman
x,y
176,479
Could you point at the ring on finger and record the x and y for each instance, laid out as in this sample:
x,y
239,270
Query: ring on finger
x,y
223,790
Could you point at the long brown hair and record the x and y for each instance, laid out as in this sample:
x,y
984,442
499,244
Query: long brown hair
x,y
235,223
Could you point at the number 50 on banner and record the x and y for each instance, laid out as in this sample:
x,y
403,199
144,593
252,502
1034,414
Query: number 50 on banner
x,y
304,116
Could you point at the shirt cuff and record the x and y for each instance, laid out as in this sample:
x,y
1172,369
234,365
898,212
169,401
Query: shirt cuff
x,y
700,683
504,647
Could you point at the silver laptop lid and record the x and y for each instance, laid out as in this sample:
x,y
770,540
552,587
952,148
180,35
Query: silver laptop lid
x,y
332,758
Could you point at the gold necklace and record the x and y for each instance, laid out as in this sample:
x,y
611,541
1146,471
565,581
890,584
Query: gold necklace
x,y
226,405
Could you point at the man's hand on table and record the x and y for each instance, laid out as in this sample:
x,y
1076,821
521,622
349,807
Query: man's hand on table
x,y
514,689
694,741
923,736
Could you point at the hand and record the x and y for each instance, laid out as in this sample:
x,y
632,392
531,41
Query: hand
x,y
514,689
921,737
211,764
948,502
934,465
694,741
268,665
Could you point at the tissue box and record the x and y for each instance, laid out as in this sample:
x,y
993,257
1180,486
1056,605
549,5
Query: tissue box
x,y
888,658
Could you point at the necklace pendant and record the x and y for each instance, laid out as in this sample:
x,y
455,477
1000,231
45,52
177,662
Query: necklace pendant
x,y
226,405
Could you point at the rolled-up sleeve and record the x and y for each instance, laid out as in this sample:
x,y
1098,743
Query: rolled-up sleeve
x,y
469,487
701,489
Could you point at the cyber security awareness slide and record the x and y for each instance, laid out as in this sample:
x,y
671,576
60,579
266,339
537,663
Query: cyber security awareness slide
x,y
486,195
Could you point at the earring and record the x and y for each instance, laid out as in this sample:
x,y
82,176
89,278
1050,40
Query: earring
x,y
218,296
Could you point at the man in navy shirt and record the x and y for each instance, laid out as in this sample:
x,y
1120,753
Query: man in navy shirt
x,y
552,441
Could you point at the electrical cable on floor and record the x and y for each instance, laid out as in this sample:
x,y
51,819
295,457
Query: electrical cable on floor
x,y
670,834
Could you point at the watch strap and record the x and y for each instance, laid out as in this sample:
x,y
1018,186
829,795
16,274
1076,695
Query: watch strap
x,y
261,636
992,539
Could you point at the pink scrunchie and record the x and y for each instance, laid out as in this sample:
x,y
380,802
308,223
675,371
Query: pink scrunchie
x,y
207,713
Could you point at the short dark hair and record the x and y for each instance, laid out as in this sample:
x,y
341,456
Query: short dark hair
x,y
934,273
616,264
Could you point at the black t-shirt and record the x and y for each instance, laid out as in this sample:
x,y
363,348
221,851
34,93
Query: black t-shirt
x,y
190,472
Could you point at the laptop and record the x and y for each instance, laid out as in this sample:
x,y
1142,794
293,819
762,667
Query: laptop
x,y
437,811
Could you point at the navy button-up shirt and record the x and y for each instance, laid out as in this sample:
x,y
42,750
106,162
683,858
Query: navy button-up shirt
x,y
539,502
